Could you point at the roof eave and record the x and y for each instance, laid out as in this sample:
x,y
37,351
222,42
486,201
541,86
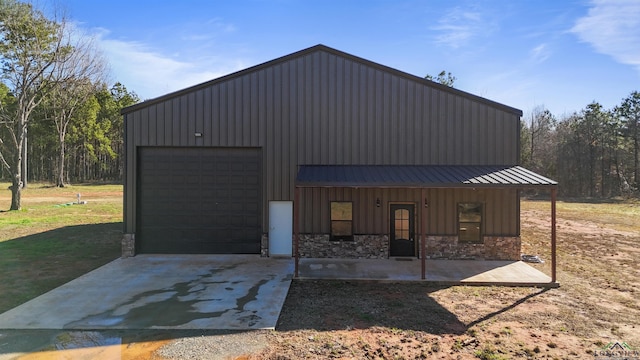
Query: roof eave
x,y
420,186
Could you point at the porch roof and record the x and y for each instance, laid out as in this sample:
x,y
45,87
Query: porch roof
x,y
420,176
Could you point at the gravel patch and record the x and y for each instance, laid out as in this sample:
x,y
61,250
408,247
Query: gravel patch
x,y
222,346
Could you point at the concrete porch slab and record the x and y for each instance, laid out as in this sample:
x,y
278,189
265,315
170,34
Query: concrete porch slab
x,y
446,272
231,292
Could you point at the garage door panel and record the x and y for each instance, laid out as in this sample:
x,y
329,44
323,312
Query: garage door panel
x,y
251,181
199,200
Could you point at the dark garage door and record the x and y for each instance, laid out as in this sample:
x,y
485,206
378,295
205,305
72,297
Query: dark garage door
x,y
199,201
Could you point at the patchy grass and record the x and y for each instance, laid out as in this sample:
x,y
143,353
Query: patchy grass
x,y
49,243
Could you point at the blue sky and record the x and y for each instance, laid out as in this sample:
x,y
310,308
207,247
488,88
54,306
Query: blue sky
x,y
561,54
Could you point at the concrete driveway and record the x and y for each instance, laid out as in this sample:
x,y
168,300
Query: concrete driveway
x,y
232,292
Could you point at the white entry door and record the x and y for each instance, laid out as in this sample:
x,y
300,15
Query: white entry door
x,y
280,228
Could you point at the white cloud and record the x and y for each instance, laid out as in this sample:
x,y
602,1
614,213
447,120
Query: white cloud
x,y
540,53
151,73
221,25
207,31
612,27
461,25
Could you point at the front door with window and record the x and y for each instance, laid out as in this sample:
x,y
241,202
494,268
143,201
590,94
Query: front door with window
x,y
402,233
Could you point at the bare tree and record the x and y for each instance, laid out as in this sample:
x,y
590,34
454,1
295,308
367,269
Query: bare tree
x,y
540,133
30,48
74,82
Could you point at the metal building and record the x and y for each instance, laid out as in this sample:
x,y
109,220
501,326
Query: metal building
x,y
347,157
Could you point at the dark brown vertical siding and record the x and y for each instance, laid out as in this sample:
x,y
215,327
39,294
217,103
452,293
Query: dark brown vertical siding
x,y
512,201
129,201
418,123
215,116
435,132
360,113
251,105
223,135
474,124
234,123
164,114
207,117
190,115
495,213
335,124
321,108
284,124
292,153
181,110
173,113
226,103
493,138
198,108
153,131
276,133
268,141
160,132
143,123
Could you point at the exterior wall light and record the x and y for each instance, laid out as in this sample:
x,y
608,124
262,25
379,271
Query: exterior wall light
x,y
378,202
198,134
426,203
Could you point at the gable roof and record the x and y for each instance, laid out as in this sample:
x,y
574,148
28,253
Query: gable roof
x,y
329,50
420,176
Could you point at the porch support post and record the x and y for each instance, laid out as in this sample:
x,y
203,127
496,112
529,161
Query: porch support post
x,y
296,228
553,234
423,227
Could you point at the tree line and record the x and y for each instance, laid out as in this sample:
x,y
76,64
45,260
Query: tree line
x,y
591,153
59,121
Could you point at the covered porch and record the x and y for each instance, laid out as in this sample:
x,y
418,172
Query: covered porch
x,y
441,272
422,178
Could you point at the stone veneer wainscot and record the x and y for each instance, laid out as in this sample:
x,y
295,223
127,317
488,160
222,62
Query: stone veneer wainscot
x,y
437,247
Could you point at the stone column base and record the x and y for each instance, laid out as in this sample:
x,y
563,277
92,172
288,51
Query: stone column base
x,y
264,245
502,247
128,245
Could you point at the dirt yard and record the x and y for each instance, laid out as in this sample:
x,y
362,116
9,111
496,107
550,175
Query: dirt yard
x,y
598,302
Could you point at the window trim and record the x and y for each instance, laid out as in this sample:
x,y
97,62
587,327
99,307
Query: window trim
x,y
480,239
332,221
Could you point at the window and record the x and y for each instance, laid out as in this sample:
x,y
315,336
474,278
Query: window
x,y
470,222
341,221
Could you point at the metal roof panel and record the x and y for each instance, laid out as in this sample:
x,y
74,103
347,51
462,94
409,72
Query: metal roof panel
x,y
419,176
